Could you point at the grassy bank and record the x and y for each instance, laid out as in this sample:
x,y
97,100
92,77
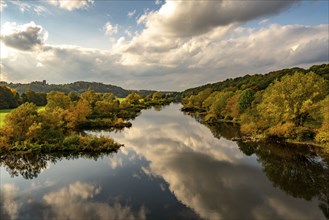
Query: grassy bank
x,y
5,112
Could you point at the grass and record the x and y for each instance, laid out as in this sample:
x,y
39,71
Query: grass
x,y
5,112
120,99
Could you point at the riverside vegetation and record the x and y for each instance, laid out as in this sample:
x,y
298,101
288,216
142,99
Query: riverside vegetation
x,y
57,126
291,104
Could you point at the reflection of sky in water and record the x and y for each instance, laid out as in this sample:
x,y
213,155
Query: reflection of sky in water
x,y
170,165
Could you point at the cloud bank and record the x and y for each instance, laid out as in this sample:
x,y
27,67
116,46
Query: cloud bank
x,y
182,45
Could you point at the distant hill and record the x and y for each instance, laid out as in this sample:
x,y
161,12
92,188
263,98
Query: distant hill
x,y
78,87
257,81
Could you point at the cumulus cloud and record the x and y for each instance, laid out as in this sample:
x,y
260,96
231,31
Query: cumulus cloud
x,y
110,29
189,18
152,61
75,202
72,5
25,37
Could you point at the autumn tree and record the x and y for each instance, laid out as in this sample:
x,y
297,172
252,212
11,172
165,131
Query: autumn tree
x,y
323,132
292,99
58,100
19,121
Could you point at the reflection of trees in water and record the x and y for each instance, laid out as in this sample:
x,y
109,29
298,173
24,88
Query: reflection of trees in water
x,y
302,171
226,130
30,165
299,170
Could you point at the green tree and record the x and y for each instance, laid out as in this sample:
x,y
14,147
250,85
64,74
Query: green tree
x,y
38,98
73,96
245,99
215,110
7,98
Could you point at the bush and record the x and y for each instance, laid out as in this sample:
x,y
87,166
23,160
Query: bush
x,y
281,131
72,140
303,134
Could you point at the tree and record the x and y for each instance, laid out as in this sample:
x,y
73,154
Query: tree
x,y
323,132
133,98
73,96
157,95
19,121
292,99
245,99
77,114
91,98
7,98
38,98
58,100
215,110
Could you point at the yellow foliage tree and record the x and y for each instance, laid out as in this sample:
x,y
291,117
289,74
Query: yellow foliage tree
x,y
292,99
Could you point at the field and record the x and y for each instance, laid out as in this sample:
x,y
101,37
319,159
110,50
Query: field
x,y
4,112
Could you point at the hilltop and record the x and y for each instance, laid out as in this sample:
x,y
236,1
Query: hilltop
x,y
257,81
78,87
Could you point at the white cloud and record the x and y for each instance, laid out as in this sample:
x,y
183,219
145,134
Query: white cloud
x,y
158,2
110,29
189,18
75,202
206,174
8,201
71,5
3,5
131,13
28,7
152,61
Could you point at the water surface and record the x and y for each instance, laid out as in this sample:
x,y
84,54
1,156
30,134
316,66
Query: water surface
x,y
171,167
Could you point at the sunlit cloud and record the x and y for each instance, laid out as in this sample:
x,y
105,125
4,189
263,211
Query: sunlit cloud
x,y
72,5
110,29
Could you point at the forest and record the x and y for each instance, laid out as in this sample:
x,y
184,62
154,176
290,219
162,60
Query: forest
x,y
291,104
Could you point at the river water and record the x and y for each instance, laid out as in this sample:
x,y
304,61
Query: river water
x,y
171,167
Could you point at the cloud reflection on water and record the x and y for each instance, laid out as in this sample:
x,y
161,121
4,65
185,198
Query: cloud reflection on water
x,y
211,176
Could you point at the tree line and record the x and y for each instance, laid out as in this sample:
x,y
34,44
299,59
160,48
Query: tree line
x,y
294,106
56,128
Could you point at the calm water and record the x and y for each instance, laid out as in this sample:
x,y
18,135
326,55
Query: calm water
x,y
172,167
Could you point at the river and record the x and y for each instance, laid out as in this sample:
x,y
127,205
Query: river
x,y
171,167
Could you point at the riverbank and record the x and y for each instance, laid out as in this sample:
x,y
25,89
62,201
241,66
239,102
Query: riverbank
x,y
200,117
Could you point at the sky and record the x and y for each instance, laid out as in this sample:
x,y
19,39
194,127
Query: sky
x,y
159,44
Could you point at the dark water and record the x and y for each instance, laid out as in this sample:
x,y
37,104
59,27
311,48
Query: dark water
x,y
172,167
